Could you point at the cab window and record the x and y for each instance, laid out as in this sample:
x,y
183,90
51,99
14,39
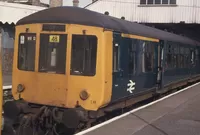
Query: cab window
x,y
52,57
83,55
26,51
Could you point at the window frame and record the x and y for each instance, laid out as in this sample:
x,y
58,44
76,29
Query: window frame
x,y
132,48
169,56
156,3
19,51
148,51
47,47
116,57
96,57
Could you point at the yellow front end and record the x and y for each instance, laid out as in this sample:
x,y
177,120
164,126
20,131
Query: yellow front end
x,y
63,68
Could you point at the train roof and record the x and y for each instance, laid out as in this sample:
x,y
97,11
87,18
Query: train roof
x,y
75,15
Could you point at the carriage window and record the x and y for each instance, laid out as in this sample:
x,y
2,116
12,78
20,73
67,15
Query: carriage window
x,y
148,58
84,54
26,51
132,56
192,57
181,57
187,58
196,55
52,57
116,57
175,56
169,57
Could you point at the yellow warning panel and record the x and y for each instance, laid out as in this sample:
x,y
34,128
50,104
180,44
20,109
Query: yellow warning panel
x,y
54,38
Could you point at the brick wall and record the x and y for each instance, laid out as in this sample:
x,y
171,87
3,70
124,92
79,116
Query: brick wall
x,y
7,60
7,48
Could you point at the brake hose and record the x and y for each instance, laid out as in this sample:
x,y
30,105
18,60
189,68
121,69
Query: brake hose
x,y
54,115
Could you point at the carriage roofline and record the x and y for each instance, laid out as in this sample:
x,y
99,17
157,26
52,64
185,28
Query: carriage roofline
x,y
76,15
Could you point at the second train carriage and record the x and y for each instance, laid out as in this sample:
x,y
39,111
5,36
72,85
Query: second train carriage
x,y
80,64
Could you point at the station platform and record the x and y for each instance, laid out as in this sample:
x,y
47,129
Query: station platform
x,y
176,114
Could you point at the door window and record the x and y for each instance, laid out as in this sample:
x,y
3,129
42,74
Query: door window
x,y
148,56
52,57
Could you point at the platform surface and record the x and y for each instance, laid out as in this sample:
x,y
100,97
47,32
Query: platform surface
x,y
176,115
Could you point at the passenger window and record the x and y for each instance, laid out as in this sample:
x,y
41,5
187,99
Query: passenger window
x,y
132,56
196,55
26,51
116,58
187,59
181,62
83,55
169,57
148,57
175,56
52,57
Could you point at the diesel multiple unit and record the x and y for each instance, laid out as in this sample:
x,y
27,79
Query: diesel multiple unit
x,y
72,66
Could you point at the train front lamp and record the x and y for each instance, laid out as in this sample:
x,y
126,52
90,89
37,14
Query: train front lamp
x,y
20,88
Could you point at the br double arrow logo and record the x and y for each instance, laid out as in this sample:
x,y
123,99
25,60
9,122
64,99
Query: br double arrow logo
x,y
131,86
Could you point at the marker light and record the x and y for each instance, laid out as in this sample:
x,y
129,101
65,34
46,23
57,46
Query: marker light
x,y
20,88
84,95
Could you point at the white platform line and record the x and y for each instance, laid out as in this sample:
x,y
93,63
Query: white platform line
x,y
7,87
132,111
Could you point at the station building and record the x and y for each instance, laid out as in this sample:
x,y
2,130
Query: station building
x,y
177,16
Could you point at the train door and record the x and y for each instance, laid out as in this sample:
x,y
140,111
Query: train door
x,y
147,66
120,75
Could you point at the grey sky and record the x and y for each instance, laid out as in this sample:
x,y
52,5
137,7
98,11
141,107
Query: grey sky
x,y
82,3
